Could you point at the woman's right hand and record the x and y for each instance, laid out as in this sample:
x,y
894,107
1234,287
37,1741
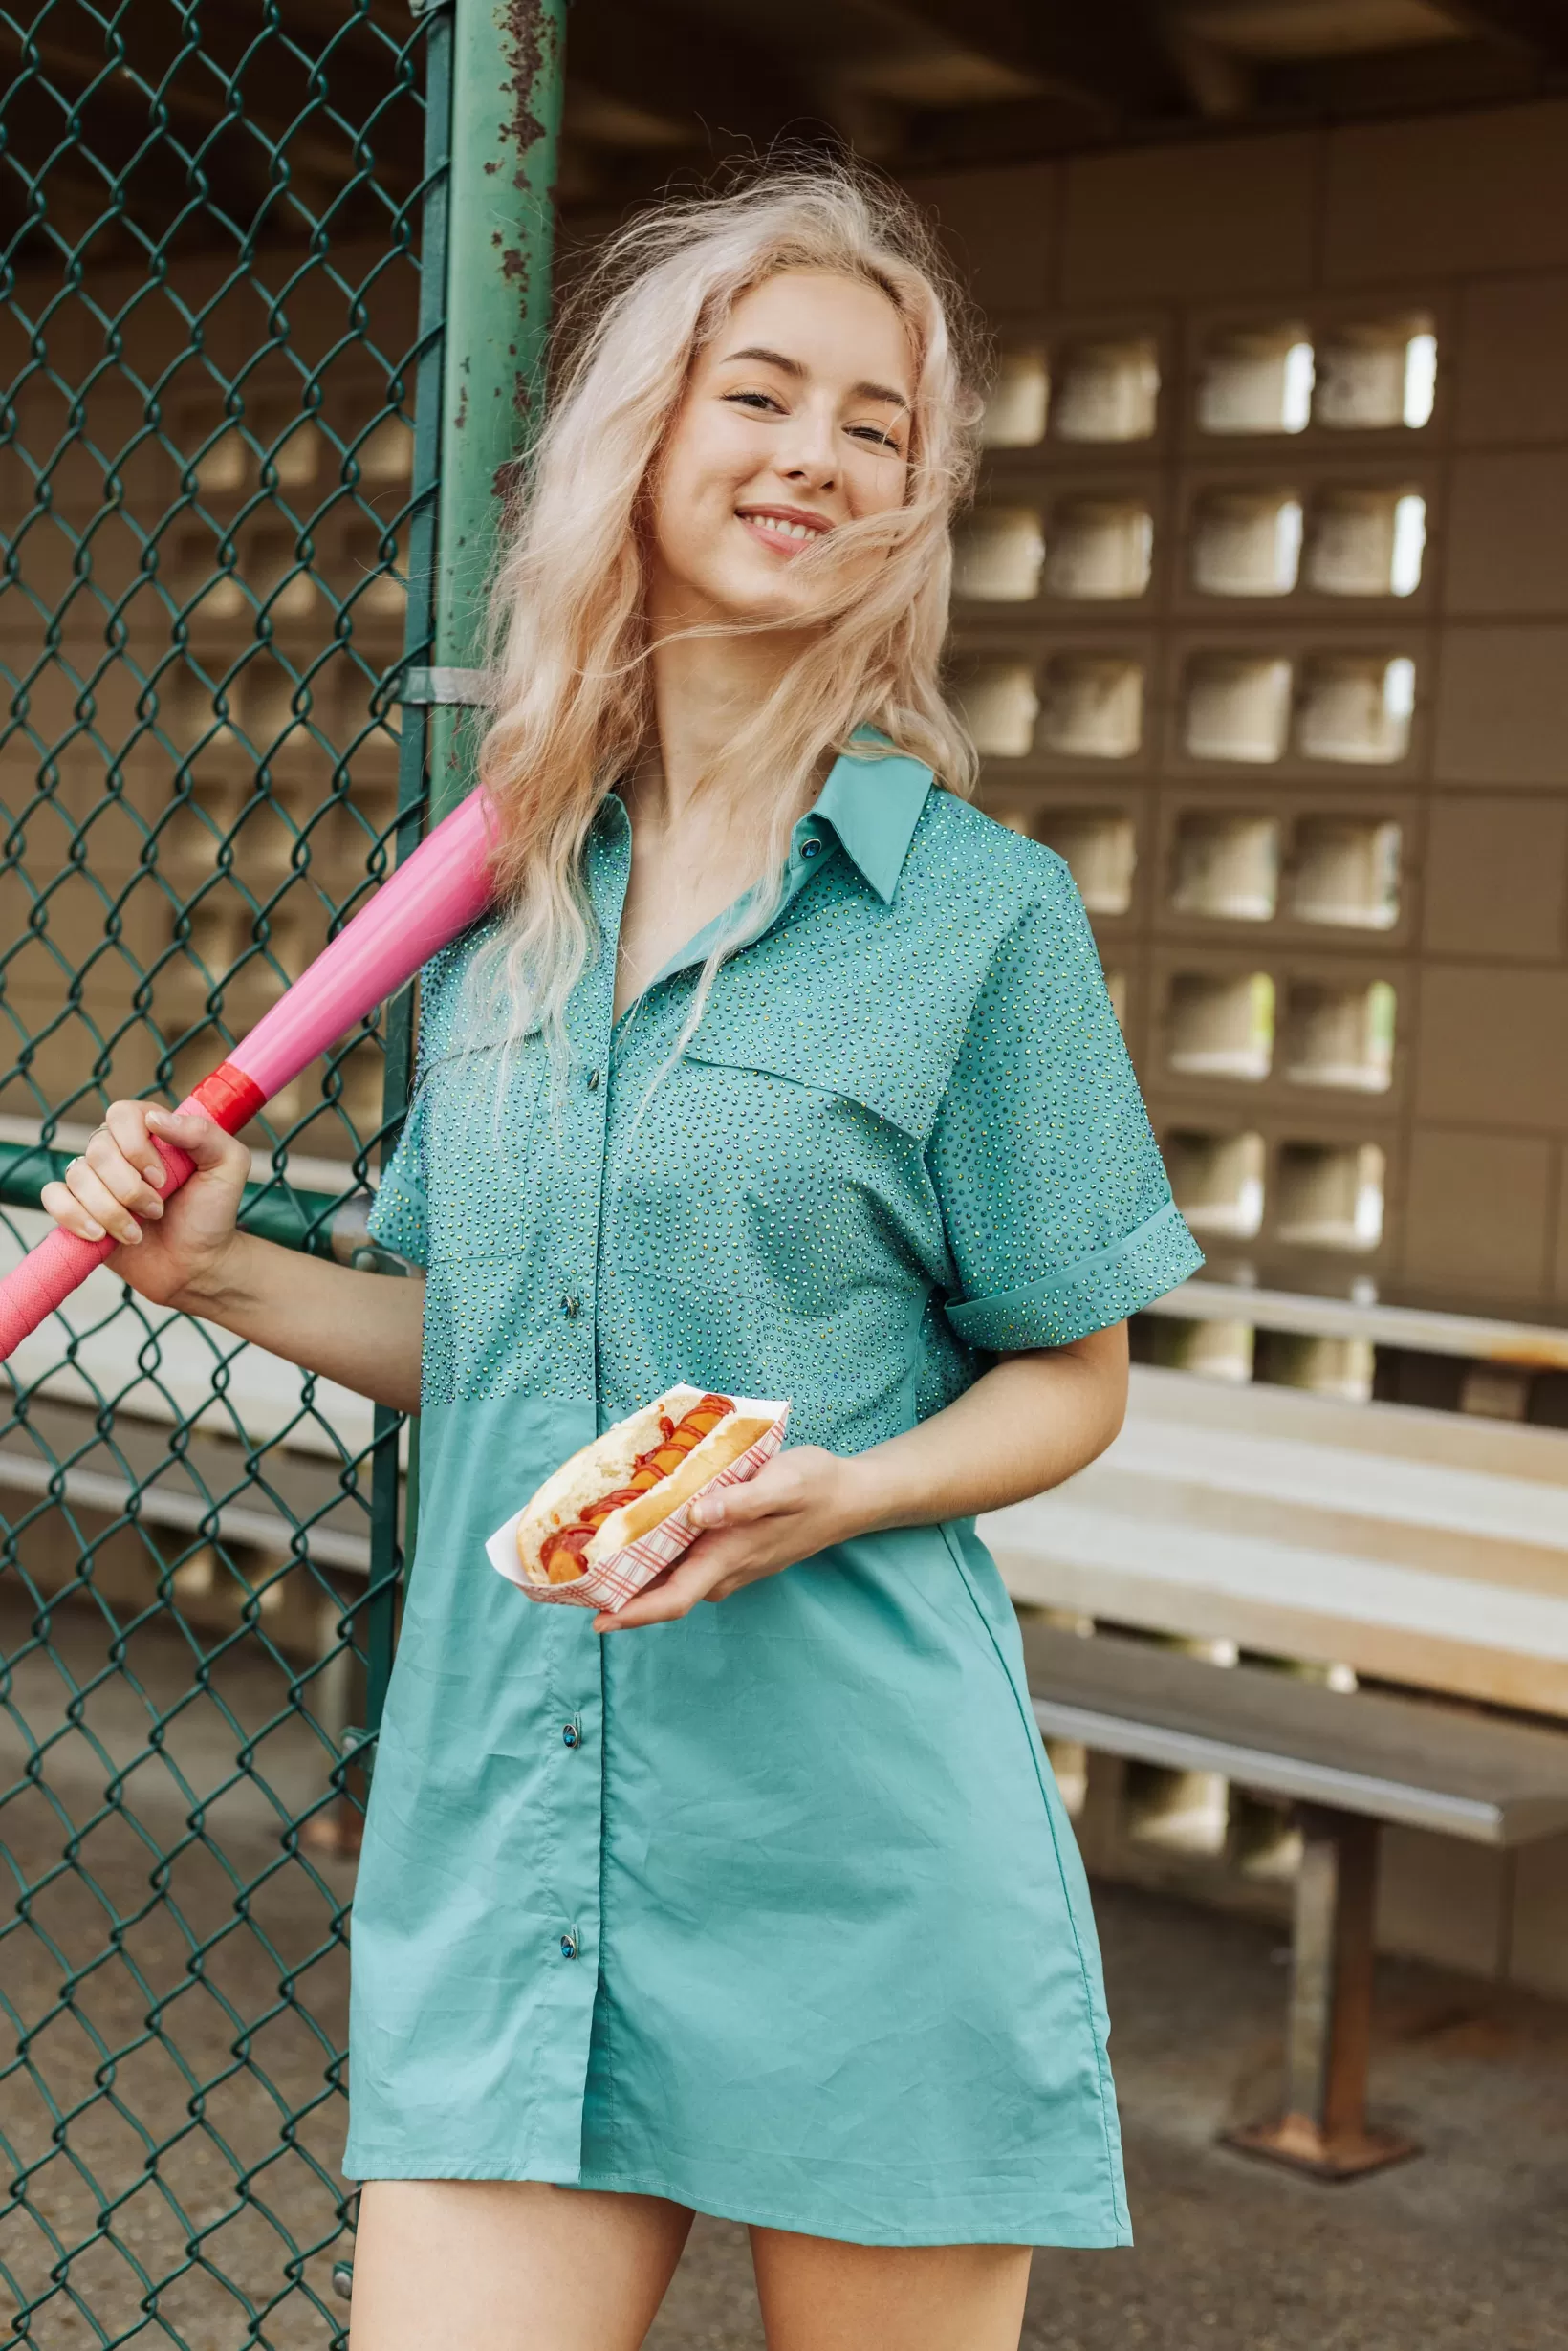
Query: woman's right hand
x,y
117,1187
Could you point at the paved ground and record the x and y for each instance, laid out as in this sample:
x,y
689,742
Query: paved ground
x,y
241,1970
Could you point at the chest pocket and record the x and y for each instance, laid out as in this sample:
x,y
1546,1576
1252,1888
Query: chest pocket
x,y
856,999
485,1145
470,1102
894,1061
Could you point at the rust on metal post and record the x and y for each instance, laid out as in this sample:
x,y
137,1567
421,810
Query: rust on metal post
x,y
507,65
1328,2042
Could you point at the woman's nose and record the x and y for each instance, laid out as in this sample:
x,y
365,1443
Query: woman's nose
x,y
810,452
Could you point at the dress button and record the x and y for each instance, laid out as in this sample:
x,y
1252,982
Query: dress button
x,y
569,1946
810,848
570,1307
592,1081
572,1733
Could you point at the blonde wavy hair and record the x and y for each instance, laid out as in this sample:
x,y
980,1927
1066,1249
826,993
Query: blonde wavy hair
x,y
572,705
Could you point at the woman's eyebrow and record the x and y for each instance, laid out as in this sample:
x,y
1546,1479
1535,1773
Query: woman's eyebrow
x,y
792,367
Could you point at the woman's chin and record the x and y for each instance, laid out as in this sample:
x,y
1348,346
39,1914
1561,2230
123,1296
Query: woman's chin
x,y
770,603
756,593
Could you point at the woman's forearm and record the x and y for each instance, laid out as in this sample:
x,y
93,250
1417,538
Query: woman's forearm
x,y
1027,1423
364,1330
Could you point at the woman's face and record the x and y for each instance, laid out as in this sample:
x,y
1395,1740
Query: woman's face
x,y
795,420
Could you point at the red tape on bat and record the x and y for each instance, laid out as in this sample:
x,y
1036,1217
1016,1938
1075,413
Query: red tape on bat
x,y
230,1098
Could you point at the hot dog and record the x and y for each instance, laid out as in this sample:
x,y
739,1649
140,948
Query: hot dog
x,y
561,1556
626,1482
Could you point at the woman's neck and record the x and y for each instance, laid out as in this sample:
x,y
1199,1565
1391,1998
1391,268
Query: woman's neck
x,y
705,688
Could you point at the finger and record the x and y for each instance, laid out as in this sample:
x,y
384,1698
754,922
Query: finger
x,y
197,1137
647,1608
124,1182
68,1213
127,1123
102,1204
675,1596
734,1583
740,1505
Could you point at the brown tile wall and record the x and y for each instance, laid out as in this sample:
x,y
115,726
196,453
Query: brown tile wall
x,y
1457,225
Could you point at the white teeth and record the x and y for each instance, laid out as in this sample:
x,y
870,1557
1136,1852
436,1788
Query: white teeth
x,y
784,530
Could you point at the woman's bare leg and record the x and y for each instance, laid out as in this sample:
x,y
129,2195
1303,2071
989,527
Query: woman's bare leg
x,y
817,2295
510,2265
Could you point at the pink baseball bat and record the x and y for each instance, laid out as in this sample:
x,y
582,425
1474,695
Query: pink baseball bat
x,y
433,895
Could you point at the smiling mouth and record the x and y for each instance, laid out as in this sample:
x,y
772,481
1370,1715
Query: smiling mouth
x,y
787,533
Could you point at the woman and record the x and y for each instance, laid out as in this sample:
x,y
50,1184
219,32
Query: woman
x,y
782,1071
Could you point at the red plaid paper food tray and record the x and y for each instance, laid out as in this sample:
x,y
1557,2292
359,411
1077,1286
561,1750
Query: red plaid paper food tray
x,y
632,1569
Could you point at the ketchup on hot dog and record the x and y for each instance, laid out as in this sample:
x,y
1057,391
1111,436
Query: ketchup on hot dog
x,y
561,1556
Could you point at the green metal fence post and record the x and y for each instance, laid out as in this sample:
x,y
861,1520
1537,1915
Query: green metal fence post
x,y
379,1621
493,94
507,71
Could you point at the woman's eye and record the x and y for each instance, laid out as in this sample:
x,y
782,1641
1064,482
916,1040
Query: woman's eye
x,y
752,400
873,432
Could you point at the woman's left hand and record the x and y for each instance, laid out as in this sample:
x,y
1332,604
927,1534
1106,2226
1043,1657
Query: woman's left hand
x,y
800,1503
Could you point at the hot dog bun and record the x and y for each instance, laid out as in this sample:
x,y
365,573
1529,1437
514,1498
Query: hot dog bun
x,y
602,1466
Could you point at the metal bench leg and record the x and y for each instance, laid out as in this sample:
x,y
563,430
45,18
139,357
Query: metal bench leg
x,y
1329,2027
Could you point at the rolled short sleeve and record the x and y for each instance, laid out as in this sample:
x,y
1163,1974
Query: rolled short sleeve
x,y
1058,1210
397,1219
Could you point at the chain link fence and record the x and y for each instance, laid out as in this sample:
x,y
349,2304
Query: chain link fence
x,y
217,458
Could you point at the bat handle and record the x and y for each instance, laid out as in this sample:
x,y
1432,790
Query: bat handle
x,y
61,1262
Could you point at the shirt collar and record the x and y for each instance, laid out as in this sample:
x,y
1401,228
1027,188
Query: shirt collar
x,y
872,800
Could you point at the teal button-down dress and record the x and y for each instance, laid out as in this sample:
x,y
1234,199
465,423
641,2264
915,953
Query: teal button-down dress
x,y
775,1910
